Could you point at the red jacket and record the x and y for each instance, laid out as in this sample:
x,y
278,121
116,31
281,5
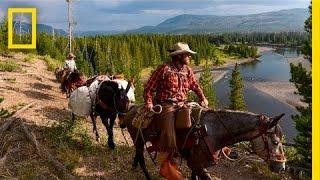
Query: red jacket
x,y
169,83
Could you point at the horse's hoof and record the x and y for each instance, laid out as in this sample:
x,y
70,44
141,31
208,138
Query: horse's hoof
x,y
134,166
98,140
111,145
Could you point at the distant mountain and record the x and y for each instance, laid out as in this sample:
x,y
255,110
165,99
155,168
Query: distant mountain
x,y
278,21
93,33
26,28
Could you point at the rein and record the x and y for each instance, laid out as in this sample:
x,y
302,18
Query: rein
x,y
279,157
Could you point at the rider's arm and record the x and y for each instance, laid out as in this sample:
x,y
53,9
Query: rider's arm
x,y
74,65
152,85
66,65
194,85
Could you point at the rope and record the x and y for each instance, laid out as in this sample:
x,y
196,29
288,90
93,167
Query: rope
x,y
189,132
144,142
124,137
230,159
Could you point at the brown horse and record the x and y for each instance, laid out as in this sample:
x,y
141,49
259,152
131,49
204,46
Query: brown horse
x,y
214,130
59,74
69,80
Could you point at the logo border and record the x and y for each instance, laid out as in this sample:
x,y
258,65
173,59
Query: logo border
x,y
33,12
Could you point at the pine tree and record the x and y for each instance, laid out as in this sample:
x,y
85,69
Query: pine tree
x,y
303,82
3,34
236,97
207,86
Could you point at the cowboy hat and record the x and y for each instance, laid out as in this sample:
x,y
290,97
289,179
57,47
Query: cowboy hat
x,y
71,55
180,48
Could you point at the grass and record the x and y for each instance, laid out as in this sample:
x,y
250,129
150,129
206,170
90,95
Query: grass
x,y
9,66
264,170
16,107
3,112
71,141
74,146
52,64
10,80
30,58
70,157
70,135
146,72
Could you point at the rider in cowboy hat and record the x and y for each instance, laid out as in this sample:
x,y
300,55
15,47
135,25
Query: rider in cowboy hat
x,y
172,81
69,67
69,63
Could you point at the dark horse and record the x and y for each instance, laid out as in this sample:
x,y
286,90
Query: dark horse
x,y
111,101
215,130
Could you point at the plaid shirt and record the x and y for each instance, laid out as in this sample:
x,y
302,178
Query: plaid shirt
x,y
169,83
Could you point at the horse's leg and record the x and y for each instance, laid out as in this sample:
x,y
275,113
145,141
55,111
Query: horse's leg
x,y
140,158
105,122
94,123
198,172
73,117
201,173
194,176
111,143
135,161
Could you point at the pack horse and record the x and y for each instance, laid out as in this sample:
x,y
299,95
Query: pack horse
x,y
105,98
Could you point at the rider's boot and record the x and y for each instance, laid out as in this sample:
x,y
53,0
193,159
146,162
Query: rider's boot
x,y
168,169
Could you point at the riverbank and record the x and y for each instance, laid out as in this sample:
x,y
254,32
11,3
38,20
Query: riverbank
x,y
218,72
300,59
282,91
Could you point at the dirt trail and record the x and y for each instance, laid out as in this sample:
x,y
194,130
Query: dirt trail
x,y
19,157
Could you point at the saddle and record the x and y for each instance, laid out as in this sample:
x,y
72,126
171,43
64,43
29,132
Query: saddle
x,y
188,127
100,79
144,117
185,116
188,115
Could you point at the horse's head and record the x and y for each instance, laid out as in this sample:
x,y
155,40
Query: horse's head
x,y
123,84
229,127
58,73
269,145
114,98
123,100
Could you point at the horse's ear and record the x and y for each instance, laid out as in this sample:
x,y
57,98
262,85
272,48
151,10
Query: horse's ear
x,y
133,81
275,121
128,87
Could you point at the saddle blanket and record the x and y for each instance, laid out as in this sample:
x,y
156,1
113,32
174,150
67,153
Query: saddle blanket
x,y
80,101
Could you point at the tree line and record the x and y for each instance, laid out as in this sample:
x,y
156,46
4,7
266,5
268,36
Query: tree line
x,y
256,38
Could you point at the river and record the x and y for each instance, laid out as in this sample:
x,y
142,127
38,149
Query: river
x,y
271,66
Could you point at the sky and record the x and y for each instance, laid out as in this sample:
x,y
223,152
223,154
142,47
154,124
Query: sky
x,y
122,15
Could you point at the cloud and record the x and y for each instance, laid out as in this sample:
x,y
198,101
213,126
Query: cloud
x,y
162,12
128,14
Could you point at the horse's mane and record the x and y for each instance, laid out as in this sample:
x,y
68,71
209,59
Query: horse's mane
x,y
231,111
109,84
107,91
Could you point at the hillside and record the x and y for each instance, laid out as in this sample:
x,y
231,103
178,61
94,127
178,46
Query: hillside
x,y
71,144
278,21
26,28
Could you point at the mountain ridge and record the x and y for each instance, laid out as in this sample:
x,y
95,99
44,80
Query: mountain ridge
x,y
276,21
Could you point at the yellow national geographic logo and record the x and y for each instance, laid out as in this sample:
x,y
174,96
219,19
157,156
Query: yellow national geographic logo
x,y
33,12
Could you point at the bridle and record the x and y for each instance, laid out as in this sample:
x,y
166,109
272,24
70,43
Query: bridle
x,y
277,157
115,107
271,156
